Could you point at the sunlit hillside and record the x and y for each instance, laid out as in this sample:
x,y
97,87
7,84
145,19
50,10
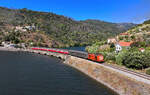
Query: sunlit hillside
x,y
52,30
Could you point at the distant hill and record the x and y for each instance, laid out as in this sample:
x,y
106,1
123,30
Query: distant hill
x,y
108,27
52,30
125,26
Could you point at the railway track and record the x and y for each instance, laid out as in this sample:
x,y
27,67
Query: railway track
x,y
84,55
145,76
142,75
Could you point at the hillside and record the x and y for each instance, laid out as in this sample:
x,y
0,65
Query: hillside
x,y
134,48
140,33
51,30
114,28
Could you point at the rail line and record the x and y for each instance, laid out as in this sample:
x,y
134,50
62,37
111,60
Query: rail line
x,y
77,53
145,76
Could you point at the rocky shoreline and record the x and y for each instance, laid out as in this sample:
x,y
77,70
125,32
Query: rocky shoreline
x,y
9,49
14,49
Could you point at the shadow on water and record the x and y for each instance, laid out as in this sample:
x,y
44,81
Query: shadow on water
x,y
24,73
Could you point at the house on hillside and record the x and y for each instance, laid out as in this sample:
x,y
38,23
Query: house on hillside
x,y
19,28
111,40
24,28
120,45
142,49
29,27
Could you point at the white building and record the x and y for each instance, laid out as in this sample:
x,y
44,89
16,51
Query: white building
x,y
18,28
118,47
111,40
24,28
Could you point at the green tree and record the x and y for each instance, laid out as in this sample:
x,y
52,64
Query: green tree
x,y
137,60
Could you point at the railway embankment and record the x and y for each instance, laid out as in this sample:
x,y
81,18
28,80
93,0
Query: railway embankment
x,y
122,82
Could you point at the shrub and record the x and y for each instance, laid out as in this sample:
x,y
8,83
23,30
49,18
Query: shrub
x,y
110,56
104,48
105,54
148,71
120,38
112,49
112,45
136,60
93,48
120,56
133,37
139,44
126,37
87,48
147,48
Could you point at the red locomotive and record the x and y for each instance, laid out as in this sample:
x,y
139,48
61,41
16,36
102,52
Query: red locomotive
x,y
89,56
96,57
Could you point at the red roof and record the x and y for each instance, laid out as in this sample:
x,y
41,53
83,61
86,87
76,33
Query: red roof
x,y
125,43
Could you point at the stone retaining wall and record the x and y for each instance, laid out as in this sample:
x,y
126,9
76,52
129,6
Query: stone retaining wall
x,y
113,79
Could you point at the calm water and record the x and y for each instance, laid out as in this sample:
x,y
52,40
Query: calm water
x,y
76,48
24,73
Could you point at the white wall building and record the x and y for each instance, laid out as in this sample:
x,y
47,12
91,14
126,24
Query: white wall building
x,y
118,47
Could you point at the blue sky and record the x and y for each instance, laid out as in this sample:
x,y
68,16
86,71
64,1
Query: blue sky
x,y
107,10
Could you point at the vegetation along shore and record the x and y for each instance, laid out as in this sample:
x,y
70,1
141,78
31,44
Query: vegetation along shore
x,y
130,49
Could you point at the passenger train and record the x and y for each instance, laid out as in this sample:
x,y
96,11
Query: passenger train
x,y
85,55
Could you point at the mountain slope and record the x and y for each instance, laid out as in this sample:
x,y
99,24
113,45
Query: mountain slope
x,y
113,28
140,33
54,30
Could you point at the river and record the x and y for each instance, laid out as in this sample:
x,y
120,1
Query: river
x,y
76,48
25,73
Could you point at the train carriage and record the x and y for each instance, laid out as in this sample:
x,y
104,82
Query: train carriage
x,y
79,54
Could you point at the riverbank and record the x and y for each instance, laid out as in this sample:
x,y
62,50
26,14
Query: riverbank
x,y
15,49
121,82
34,74
9,49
